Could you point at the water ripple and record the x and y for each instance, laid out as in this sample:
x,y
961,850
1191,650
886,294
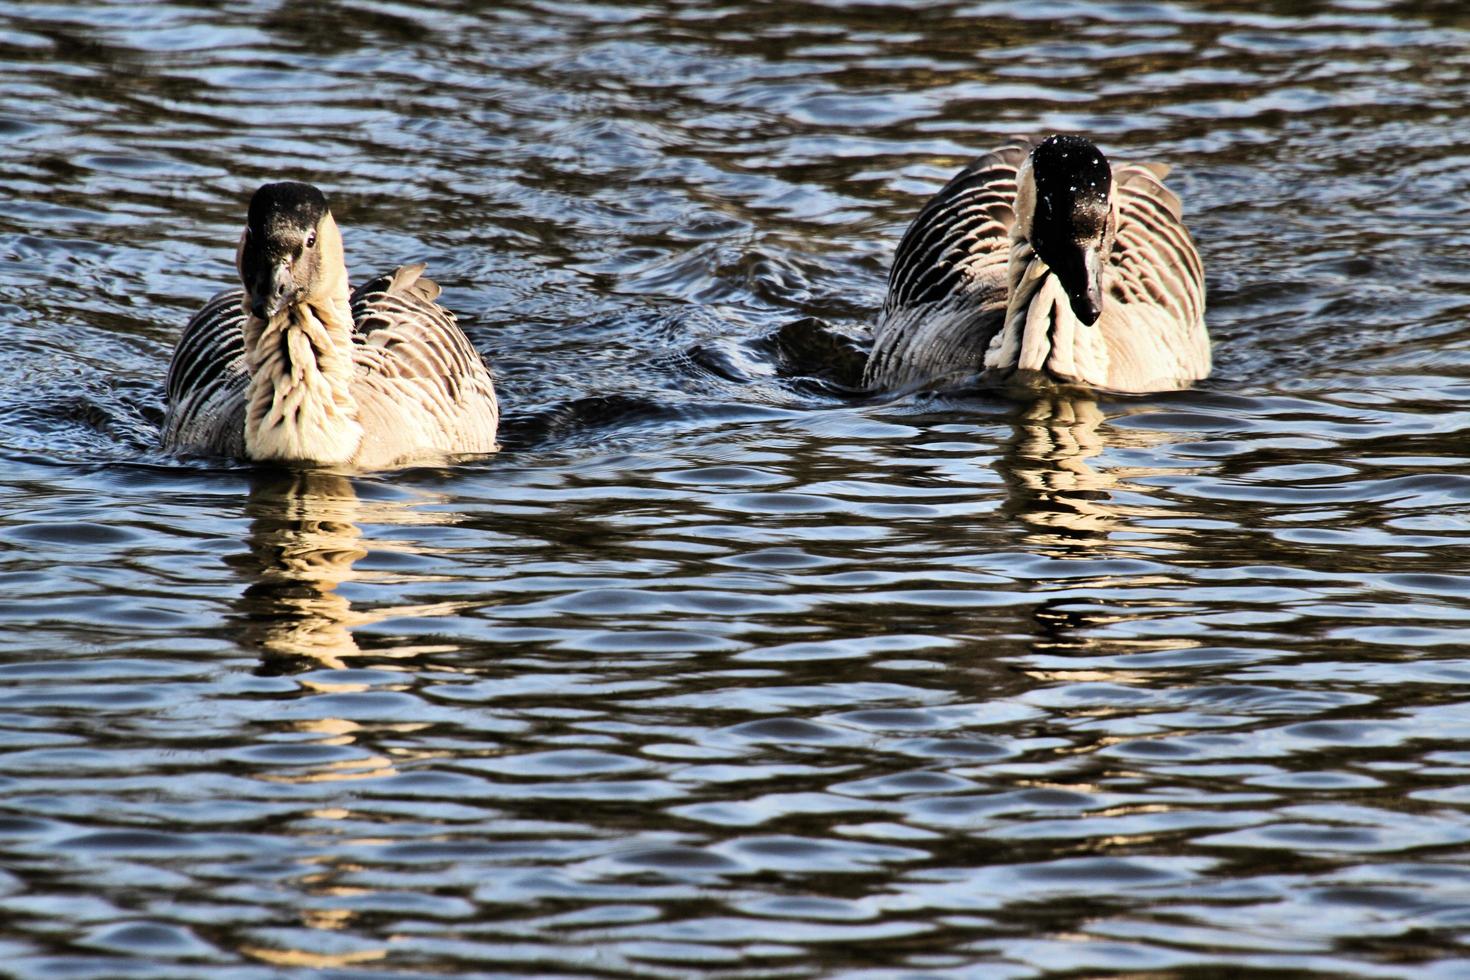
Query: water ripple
x,y
721,666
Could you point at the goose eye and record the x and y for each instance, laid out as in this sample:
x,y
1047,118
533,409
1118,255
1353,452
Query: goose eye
x,y
310,239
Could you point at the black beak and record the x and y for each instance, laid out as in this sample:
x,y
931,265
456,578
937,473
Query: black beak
x,y
273,290
1081,276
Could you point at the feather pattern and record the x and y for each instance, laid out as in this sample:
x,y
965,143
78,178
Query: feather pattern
x,y
418,388
968,295
416,370
207,381
946,289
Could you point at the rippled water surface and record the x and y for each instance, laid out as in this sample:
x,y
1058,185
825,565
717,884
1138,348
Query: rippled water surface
x,y
720,668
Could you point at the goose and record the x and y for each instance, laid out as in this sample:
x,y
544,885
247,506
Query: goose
x,y
296,368
1040,266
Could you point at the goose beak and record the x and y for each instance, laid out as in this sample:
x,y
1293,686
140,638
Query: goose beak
x,y
273,290
1087,295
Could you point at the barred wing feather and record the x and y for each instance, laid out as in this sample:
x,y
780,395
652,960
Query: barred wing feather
x,y
1154,328
207,381
947,287
420,385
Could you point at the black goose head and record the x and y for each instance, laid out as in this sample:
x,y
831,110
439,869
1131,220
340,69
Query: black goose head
x,y
1072,224
279,253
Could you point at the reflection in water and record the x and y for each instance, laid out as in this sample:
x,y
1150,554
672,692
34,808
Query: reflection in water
x,y
304,540
1068,499
1056,492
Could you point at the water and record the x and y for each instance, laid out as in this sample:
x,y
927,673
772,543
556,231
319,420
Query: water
x,y
720,669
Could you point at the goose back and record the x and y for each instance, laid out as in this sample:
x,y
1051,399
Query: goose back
x,y
949,287
421,387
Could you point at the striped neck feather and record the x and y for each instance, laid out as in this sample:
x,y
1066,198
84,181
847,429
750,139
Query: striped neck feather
x,y
300,406
1043,343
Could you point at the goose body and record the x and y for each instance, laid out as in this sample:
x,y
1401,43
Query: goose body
x,y
294,367
1041,266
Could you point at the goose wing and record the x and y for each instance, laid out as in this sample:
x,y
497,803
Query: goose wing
x,y
947,287
207,380
421,386
1155,328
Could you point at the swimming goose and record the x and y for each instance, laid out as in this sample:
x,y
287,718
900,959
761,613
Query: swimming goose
x,y
1040,266
295,368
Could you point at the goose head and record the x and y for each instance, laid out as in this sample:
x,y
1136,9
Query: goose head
x,y
290,251
1064,208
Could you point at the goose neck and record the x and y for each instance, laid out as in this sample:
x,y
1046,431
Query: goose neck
x,y
300,402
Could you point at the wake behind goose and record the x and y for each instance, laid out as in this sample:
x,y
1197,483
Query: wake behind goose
x,y
1040,265
296,368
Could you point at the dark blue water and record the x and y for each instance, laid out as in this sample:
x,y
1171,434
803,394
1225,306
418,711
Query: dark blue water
x,y
718,669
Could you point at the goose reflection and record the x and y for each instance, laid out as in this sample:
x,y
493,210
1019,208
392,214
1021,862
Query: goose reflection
x,y
1067,499
304,542
1055,491
1075,506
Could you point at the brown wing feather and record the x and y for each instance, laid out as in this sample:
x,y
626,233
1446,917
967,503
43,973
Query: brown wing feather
x,y
1154,259
947,287
206,383
1154,327
967,220
421,385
